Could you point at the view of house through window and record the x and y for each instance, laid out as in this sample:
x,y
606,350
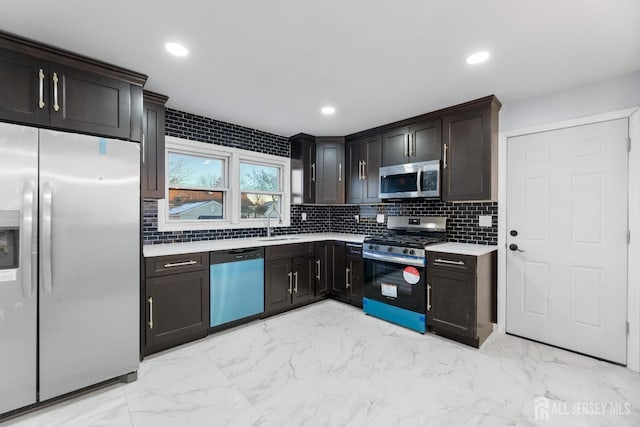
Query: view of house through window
x,y
260,187
196,187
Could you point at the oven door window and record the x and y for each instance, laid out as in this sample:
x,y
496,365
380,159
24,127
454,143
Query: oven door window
x,y
396,284
399,183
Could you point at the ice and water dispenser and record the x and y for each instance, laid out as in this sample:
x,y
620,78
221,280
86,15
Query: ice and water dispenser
x,y
9,239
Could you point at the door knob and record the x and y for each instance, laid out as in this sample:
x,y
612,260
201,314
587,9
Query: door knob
x,y
514,247
514,233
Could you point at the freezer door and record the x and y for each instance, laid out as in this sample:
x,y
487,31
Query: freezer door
x,y
89,260
18,258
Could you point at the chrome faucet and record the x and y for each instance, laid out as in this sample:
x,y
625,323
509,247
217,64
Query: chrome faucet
x,y
269,221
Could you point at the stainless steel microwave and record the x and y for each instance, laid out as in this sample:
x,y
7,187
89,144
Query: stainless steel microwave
x,y
411,180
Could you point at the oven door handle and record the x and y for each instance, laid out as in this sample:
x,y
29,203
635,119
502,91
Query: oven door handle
x,y
395,259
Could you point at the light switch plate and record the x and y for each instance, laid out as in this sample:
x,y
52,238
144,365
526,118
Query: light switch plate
x,y
484,220
380,218
304,216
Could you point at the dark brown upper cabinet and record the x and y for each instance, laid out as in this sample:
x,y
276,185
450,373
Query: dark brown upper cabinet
x,y
303,168
331,170
414,142
363,159
470,152
47,87
153,156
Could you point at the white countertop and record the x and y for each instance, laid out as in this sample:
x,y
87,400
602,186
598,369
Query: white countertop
x,y
251,242
462,248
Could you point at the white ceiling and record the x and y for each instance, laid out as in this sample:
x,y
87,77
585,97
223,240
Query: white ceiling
x,y
273,64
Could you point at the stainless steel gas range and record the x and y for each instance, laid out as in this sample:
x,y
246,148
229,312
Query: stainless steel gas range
x,y
395,286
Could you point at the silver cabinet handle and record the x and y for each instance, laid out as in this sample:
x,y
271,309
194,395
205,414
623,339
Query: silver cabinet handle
x,y
444,156
313,172
295,288
41,88
56,107
428,297
347,274
339,172
446,261
179,264
144,160
360,170
150,323
364,172
318,269
410,145
47,206
28,248
290,282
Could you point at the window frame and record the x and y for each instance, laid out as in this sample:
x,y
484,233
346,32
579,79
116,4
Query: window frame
x,y
232,195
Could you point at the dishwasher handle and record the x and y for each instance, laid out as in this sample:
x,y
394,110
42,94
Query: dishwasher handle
x,y
236,255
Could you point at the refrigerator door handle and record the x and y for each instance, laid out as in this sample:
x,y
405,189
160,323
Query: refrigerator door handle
x,y
47,201
28,279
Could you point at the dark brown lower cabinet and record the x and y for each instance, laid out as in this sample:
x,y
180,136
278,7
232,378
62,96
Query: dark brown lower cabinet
x,y
349,273
460,290
288,276
176,301
324,271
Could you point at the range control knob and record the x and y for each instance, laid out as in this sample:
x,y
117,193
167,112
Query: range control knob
x,y
371,247
390,249
405,251
411,252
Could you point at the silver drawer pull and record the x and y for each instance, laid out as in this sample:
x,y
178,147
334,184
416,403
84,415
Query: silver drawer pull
x,y
56,106
179,264
41,88
446,261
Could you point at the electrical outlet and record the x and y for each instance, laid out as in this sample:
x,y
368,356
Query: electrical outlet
x,y
380,218
304,216
484,220
357,218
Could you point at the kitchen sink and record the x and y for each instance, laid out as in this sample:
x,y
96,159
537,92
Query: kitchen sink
x,y
276,238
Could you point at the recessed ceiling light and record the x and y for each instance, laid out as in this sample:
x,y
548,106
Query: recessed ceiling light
x,y
328,110
176,49
477,58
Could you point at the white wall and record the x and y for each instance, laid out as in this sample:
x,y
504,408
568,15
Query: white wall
x,y
602,100
587,100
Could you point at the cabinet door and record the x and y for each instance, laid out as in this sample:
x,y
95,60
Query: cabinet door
x,y
89,102
453,302
339,268
395,147
355,155
330,183
467,156
323,268
278,284
177,309
302,268
153,151
356,279
303,169
373,161
425,141
24,89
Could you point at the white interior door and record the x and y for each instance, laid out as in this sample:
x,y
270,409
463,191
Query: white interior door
x,y
567,206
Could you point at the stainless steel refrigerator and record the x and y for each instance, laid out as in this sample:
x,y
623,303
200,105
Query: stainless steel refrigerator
x,y
69,262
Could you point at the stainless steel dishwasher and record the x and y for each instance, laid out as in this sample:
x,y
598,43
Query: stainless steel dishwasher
x,y
236,285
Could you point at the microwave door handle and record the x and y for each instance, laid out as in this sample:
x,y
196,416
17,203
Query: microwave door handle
x,y
419,183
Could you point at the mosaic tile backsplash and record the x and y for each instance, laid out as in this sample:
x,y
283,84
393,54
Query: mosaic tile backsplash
x,y
462,223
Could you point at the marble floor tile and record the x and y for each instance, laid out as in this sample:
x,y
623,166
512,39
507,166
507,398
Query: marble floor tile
x,y
328,364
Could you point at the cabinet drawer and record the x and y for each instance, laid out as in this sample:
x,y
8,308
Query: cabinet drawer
x,y
288,251
451,262
172,264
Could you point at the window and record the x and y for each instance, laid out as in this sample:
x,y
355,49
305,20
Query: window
x,y
214,187
260,190
196,187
